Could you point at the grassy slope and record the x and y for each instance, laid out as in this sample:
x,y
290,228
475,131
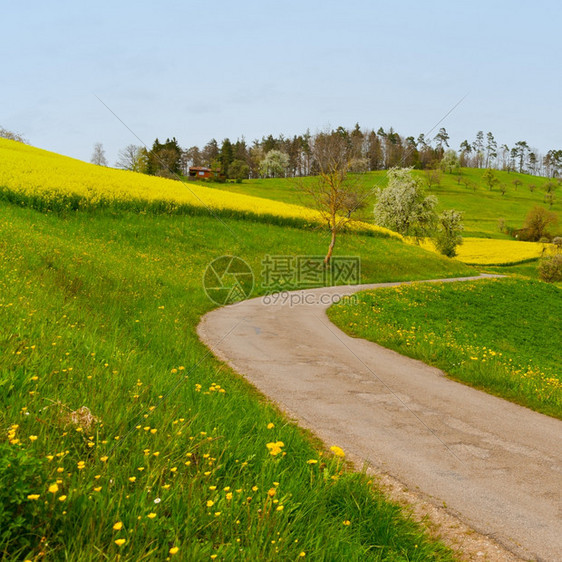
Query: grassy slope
x,y
482,208
99,310
498,335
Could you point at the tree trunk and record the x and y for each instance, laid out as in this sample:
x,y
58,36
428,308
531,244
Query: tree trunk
x,y
331,248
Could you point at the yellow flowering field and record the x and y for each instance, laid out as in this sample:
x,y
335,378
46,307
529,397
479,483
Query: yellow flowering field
x,y
486,251
33,176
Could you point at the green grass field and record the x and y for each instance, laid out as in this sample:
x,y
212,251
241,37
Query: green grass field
x,y
98,310
500,335
482,208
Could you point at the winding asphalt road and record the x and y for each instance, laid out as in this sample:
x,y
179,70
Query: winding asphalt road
x,y
496,465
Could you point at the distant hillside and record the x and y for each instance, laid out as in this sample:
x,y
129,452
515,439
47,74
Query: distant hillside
x,y
483,208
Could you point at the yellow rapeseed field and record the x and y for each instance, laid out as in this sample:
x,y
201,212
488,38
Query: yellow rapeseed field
x,y
31,172
486,251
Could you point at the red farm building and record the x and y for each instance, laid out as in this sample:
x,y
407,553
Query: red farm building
x,y
200,172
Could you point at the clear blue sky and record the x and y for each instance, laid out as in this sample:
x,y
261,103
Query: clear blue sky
x,y
198,70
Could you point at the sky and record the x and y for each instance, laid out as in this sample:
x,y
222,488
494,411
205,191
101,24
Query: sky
x,y
198,70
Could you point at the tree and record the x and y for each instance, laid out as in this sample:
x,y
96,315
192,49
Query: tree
x,y
516,182
490,178
538,222
491,149
404,207
478,148
335,194
164,159
465,150
433,174
226,156
193,156
521,148
238,170
450,161
98,156
448,235
210,152
274,165
132,158
10,135
442,140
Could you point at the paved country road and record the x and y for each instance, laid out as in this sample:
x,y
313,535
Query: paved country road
x,y
496,465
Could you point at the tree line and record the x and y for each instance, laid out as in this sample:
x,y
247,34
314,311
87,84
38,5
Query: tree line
x,y
368,150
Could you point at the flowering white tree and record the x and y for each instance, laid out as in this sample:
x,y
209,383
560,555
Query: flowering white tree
x,y
404,207
274,165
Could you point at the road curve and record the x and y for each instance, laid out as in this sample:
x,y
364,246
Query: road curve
x,y
496,465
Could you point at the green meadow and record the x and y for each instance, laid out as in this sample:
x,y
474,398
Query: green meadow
x,y
483,208
123,438
499,335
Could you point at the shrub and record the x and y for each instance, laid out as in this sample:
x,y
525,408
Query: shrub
x,y
550,268
537,223
448,235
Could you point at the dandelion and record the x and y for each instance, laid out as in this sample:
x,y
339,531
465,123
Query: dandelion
x,y
53,488
229,496
275,448
173,550
311,461
120,542
347,523
338,451
97,489
33,497
132,478
157,500
151,515
280,508
33,437
210,503
271,492
118,526
270,425
62,498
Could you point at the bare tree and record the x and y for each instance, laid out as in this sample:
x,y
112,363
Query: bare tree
x,y
335,193
98,156
130,158
11,135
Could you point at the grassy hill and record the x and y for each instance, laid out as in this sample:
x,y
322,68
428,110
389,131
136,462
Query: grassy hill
x,y
121,434
482,207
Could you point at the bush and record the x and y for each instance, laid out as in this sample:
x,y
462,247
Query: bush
x,y
550,268
537,224
448,235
